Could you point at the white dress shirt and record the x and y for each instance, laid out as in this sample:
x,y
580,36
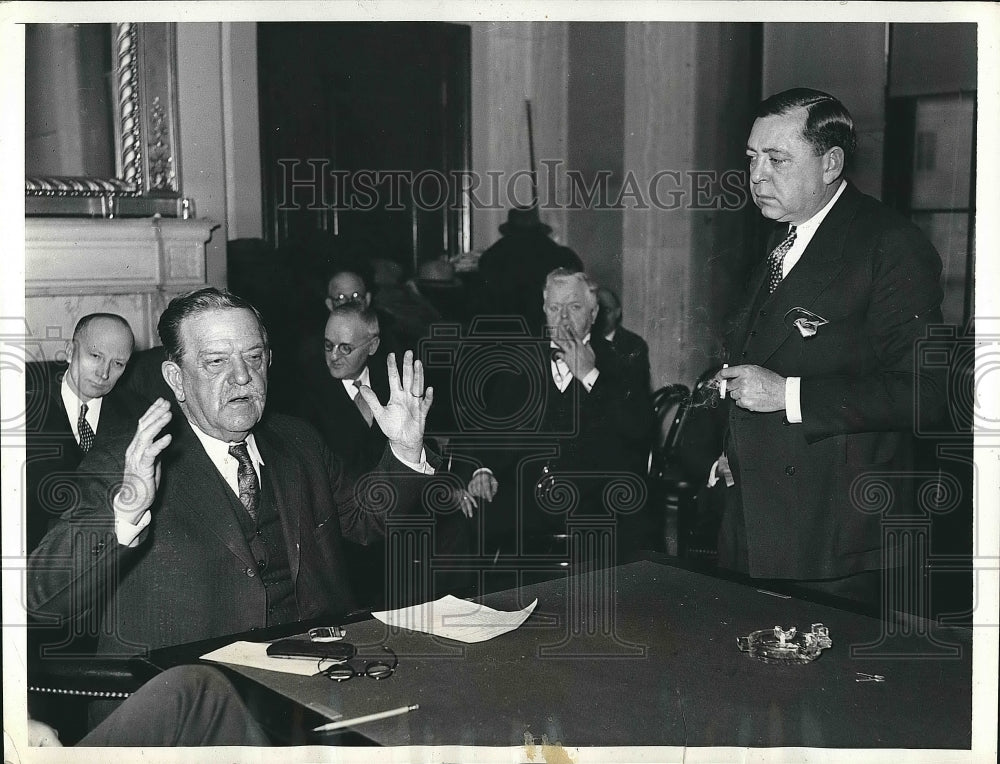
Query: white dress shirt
x,y
128,527
72,404
803,235
364,378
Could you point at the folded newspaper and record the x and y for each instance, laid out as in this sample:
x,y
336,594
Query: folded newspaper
x,y
456,619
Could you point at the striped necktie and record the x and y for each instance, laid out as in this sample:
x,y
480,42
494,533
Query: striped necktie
x,y
362,405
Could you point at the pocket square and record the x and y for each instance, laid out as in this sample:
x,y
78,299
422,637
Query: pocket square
x,y
807,322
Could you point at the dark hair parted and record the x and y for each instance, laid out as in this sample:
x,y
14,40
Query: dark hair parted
x,y
828,122
191,304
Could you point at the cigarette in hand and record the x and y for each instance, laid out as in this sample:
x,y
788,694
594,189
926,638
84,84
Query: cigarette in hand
x,y
722,385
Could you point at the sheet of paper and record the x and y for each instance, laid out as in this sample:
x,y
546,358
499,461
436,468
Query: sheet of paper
x,y
456,619
254,654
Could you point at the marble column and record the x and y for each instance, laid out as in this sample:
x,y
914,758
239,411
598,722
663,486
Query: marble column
x,y
689,91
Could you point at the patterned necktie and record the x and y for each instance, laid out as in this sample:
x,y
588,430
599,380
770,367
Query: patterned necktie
x,y
246,476
363,407
776,259
86,433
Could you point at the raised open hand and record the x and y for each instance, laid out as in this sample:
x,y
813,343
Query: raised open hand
x,y
142,470
402,419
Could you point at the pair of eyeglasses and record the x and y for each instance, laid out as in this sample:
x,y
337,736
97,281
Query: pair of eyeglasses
x,y
376,669
343,299
345,348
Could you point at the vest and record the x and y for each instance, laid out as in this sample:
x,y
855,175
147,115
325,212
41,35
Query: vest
x,y
266,541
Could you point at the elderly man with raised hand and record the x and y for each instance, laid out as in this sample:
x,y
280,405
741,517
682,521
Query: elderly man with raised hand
x,y
231,520
822,364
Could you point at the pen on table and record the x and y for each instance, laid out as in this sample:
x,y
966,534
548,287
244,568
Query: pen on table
x,y
340,724
722,385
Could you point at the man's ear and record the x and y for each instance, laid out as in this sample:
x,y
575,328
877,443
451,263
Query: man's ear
x,y
329,303
368,299
70,347
172,375
833,165
374,346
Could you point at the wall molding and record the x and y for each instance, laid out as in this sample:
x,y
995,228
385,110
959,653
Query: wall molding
x,y
132,267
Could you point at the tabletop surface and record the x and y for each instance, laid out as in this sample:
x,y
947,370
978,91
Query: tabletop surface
x,y
646,654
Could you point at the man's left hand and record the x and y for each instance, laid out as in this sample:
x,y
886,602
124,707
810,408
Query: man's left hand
x,y
755,388
402,418
577,354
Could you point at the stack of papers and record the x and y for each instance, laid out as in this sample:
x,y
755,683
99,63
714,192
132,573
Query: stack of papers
x,y
456,619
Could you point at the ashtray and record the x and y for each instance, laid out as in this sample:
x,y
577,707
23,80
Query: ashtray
x,y
780,646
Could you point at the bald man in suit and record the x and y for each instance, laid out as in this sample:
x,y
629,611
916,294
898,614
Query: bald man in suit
x,y
68,407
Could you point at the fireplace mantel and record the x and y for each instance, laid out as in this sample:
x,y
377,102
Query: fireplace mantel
x,y
132,267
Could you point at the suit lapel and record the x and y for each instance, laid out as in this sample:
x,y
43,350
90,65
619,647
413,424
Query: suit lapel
x,y
201,492
284,475
818,267
58,421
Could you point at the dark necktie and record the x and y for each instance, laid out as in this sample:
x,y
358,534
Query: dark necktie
x,y
246,476
776,260
86,433
363,407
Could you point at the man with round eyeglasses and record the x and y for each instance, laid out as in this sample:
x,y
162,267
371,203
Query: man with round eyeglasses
x,y
331,400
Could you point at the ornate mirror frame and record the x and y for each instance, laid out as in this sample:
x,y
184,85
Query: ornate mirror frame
x,y
145,120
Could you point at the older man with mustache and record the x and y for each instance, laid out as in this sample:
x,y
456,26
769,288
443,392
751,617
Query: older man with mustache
x,y
225,519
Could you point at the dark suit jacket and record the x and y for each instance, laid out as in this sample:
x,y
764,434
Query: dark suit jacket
x,y
192,575
604,435
875,277
52,452
632,353
325,404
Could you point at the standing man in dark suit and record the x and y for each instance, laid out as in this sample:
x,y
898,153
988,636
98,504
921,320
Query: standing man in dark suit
x,y
629,347
67,407
231,520
821,358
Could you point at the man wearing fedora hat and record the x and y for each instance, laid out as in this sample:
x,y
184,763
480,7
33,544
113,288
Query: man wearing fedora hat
x,y
513,270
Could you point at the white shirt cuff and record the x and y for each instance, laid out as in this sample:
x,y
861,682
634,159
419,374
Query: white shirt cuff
x,y
127,532
591,379
793,406
422,466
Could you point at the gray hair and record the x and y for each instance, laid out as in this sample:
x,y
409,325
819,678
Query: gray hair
x,y
565,274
